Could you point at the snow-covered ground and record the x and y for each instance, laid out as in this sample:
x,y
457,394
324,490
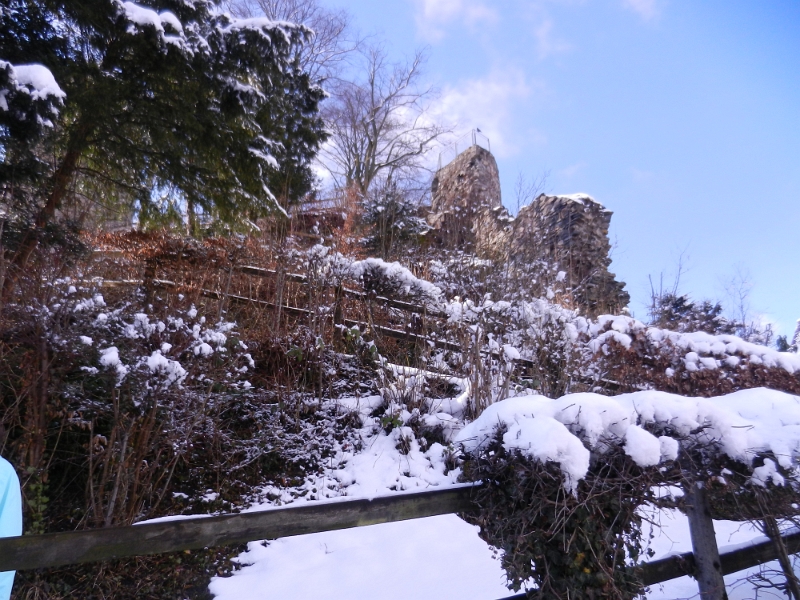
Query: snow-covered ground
x,y
437,557
443,557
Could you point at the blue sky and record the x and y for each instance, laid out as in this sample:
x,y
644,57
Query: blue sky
x,y
682,117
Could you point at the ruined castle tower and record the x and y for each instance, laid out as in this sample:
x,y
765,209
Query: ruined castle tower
x,y
461,193
568,231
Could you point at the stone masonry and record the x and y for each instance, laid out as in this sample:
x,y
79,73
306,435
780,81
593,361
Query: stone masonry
x,y
460,193
568,231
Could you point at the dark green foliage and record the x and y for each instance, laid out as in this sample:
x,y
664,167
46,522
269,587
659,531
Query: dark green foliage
x,y
783,345
568,545
213,114
392,219
680,313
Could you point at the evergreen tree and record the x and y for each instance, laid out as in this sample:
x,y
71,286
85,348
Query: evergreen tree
x,y
391,215
680,313
172,97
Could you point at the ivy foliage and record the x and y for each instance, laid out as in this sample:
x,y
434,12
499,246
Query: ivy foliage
x,y
557,544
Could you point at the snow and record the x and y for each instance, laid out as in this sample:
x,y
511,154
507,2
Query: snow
x,y
158,363
36,80
381,468
409,283
109,357
510,352
741,425
643,447
261,25
147,17
581,198
436,557
701,350
142,16
203,349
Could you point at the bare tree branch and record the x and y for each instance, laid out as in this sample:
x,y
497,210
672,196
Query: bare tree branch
x,y
379,125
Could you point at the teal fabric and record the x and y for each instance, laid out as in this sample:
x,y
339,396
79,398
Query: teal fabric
x,y
10,517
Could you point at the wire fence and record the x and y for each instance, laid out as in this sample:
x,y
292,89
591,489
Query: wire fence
x,y
469,139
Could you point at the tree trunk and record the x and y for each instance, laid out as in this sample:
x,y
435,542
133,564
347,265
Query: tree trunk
x,y
191,219
708,567
59,185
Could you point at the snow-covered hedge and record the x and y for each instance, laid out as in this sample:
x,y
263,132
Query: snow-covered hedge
x,y
650,427
564,480
123,389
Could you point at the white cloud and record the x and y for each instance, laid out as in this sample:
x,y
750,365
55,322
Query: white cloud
x,y
546,44
489,103
646,9
434,15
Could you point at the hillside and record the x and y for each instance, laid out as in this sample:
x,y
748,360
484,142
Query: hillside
x,y
157,375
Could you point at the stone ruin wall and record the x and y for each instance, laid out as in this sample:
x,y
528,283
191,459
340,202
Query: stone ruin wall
x,y
461,193
570,231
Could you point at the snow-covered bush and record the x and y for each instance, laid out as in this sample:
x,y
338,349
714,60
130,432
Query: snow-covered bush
x,y
563,480
634,356
108,400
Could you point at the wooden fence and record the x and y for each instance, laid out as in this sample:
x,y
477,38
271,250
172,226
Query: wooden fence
x,y
388,332
190,533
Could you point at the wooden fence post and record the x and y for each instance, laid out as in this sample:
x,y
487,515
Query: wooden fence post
x,y
148,279
708,566
338,318
774,533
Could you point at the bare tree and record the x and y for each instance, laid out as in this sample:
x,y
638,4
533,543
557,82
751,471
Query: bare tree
x,y
749,324
324,56
527,190
379,123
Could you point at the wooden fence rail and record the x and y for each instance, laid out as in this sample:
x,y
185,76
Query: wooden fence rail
x,y
672,567
191,533
355,294
73,547
388,332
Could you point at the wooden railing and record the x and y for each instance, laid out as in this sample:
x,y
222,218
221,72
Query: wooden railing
x,y
73,547
190,533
